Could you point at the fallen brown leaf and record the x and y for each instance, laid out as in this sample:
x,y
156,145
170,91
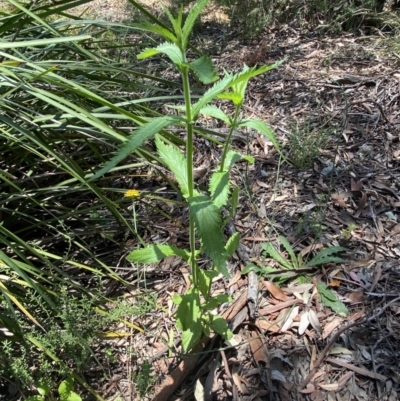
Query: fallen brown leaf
x,y
329,327
356,369
356,297
274,290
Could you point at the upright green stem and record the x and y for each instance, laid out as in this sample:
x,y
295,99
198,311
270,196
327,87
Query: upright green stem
x,y
228,139
189,164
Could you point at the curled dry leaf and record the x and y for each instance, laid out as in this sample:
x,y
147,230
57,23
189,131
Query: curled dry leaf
x,y
304,322
314,321
288,320
258,348
275,291
339,385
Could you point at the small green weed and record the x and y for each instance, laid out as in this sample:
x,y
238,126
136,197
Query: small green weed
x,y
144,379
293,262
65,392
305,143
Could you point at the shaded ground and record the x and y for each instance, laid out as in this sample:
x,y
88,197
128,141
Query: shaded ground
x,y
346,89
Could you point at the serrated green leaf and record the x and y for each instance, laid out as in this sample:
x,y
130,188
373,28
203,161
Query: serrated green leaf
x,y
264,129
235,98
329,299
289,250
219,188
136,139
205,278
155,253
204,69
210,94
232,157
215,112
274,253
188,309
214,302
208,223
191,19
247,73
325,256
233,243
169,49
176,23
191,336
146,53
220,326
176,162
164,32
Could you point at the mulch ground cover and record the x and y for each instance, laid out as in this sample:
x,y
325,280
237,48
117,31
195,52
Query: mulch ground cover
x,y
288,345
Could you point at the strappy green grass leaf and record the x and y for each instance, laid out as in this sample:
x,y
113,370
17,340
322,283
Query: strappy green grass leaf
x,y
138,137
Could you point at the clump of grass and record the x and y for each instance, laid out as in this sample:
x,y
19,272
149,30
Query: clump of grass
x,y
305,143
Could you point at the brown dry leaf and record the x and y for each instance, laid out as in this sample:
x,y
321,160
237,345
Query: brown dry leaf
x,y
339,200
258,348
339,385
395,230
356,369
356,185
317,396
334,283
263,324
356,297
308,390
357,315
274,290
329,327
312,247
235,278
237,381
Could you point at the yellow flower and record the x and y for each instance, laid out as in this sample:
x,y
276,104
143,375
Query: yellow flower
x,y
131,193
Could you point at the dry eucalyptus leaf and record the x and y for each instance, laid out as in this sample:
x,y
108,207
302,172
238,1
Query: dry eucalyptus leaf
x,y
275,291
314,321
304,322
287,323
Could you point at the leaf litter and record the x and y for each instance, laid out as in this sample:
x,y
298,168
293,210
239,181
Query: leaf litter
x,y
334,336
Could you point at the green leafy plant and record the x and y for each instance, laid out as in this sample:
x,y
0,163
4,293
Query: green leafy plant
x,y
144,378
65,391
330,299
194,312
293,262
